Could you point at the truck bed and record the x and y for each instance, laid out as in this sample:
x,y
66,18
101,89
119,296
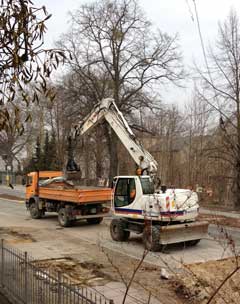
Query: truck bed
x,y
76,195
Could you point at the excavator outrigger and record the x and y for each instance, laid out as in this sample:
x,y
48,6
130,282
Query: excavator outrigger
x,y
162,216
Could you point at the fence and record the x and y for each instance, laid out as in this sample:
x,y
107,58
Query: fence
x,y
25,283
12,178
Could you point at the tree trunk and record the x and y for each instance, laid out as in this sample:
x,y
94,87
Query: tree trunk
x,y
237,187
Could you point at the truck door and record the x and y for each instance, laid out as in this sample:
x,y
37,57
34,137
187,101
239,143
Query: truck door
x,y
29,186
125,192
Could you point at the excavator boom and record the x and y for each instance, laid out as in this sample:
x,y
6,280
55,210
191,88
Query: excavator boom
x,y
108,110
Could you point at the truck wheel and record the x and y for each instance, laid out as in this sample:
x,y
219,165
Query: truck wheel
x,y
95,220
35,212
63,218
117,231
151,238
193,242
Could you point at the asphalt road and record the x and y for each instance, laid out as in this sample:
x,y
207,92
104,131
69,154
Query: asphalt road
x,y
18,191
54,241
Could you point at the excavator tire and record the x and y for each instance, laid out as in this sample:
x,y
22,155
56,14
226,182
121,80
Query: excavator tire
x,y
63,218
35,212
117,231
95,220
151,238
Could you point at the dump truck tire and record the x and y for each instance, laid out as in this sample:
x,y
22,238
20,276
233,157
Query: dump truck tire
x,y
63,218
95,220
117,231
193,242
35,212
151,238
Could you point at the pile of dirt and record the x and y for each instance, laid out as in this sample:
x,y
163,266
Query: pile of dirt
x,y
201,280
81,274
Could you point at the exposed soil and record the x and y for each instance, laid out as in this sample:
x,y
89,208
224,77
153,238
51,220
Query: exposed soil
x,y
201,280
82,274
12,236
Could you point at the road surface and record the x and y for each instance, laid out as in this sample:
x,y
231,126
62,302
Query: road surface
x,y
51,240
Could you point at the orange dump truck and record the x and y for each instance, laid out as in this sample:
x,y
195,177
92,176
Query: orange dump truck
x,y
49,191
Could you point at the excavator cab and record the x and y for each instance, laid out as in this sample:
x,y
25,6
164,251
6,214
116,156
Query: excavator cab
x,y
124,192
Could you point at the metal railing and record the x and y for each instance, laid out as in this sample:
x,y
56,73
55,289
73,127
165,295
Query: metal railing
x,y
25,283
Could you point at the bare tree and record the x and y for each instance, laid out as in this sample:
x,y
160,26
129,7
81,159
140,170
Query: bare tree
x,y
22,57
12,143
222,92
114,40
197,133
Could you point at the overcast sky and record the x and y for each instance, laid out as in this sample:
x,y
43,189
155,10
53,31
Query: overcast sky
x,y
172,16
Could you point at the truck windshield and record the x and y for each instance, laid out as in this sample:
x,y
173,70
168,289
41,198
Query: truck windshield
x,y
147,185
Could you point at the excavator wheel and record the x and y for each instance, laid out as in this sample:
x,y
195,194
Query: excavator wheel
x,y
117,231
35,212
95,220
63,218
151,238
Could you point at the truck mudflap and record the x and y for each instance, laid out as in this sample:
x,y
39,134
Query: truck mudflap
x,y
184,232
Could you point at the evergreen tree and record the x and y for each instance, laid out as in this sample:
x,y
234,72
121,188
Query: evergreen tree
x,y
44,159
54,161
35,162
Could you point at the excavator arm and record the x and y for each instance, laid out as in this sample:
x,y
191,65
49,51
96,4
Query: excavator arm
x,y
108,110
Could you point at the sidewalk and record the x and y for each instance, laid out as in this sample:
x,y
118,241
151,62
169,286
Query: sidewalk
x,y
116,291
17,191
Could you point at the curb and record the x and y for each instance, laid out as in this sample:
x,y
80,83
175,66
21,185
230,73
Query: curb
x,y
11,200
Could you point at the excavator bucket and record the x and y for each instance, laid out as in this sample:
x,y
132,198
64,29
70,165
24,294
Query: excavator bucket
x,y
72,172
184,232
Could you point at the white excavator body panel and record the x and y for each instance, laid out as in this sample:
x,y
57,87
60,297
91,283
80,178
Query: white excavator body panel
x,y
175,205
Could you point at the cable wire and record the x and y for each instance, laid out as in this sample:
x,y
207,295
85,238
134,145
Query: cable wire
x,y
205,59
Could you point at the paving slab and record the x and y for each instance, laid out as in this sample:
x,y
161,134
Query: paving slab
x,y
116,292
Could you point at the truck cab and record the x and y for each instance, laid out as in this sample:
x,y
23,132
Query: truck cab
x,y
35,178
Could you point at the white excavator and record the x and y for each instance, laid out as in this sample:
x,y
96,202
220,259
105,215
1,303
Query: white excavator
x,y
163,216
